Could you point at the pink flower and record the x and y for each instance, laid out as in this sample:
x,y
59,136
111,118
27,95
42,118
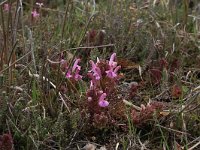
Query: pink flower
x,y
6,7
76,65
102,101
96,70
112,72
77,76
112,63
74,72
35,14
40,4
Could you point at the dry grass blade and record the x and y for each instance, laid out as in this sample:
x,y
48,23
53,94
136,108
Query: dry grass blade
x,y
53,85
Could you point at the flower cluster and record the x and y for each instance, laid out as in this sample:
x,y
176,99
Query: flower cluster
x,y
102,90
73,73
102,73
92,95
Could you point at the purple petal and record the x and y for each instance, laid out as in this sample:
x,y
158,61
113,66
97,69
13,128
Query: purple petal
x,y
35,13
117,68
102,97
68,75
93,65
76,65
103,103
77,76
98,71
112,59
97,77
111,74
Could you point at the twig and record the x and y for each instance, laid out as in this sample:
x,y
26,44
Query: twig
x,y
170,129
117,145
143,147
190,143
194,146
132,105
86,47
15,62
3,2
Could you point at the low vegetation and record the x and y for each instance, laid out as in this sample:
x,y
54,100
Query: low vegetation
x,y
100,74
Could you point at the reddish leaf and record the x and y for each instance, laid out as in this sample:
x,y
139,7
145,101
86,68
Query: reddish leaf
x,y
176,91
91,36
6,142
163,63
174,65
156,75
147,112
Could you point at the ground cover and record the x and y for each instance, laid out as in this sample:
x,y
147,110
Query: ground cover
x,y
100,74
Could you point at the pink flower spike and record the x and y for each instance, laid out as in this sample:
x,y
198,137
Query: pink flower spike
x,y
97,73
39,4
117,68
102,101
6,7
35,14
76,65
96,70
112,63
